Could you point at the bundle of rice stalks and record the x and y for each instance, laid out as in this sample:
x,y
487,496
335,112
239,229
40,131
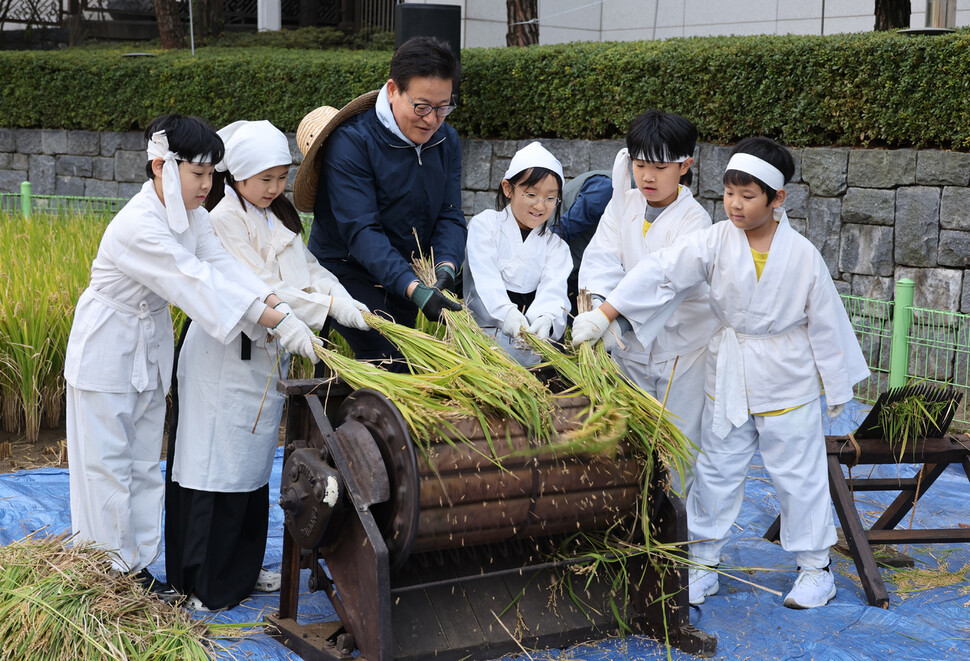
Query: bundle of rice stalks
x,y
424,402
63,602
480,380
915,412
618,409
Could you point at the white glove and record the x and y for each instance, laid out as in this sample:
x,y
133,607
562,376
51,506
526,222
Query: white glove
x,y
339,290
611,338
541,327
514,322
283,307
296,337
589,326
835,410
347,311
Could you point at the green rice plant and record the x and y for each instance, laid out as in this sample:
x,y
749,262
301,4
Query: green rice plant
x,y
61,602
422,400
618,409
489,388
45,263
910,417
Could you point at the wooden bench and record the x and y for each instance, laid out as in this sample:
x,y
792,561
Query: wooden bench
x,y
935,454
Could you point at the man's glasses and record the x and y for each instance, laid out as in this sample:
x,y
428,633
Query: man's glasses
x,y
424,109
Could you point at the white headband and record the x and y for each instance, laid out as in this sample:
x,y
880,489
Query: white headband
x,y
759,169
251,148
533,155
178,219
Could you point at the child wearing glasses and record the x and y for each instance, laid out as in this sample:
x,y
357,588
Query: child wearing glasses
x,y
638,221
785,335
516,266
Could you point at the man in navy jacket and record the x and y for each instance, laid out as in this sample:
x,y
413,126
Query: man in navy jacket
x,y
390,188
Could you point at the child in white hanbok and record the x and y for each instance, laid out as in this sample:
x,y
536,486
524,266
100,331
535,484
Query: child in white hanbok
x,y
638,221
223,440
785,336
516,268
159,249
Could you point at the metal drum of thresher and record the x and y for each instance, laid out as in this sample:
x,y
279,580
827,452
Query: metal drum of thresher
x,y
429,542
476,487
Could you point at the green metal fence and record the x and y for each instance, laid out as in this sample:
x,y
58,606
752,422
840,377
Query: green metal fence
x,y
903,343
27,203
872,321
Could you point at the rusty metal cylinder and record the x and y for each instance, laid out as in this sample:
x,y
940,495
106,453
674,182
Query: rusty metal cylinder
x,y
468,498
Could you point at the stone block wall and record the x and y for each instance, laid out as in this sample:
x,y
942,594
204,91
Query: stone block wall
x,y
876,215
75,163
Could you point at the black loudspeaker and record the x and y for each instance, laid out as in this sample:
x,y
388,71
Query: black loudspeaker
x,y
419,20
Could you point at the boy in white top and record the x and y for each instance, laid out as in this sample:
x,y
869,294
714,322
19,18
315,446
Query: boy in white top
x,y
159,249
786,334
637,222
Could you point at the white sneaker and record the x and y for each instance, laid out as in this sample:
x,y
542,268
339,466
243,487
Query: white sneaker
x,y
196,604
813,588
702,583
268,581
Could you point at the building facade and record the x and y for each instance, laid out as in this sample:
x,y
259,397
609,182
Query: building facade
x,y
484,22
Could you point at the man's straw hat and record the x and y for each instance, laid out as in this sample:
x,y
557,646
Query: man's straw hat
x,y
314,129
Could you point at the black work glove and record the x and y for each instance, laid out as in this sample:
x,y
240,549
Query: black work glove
x,y
446,277
432,302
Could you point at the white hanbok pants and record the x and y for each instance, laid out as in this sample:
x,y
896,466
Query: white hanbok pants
x,y
792,446
685,400
114,441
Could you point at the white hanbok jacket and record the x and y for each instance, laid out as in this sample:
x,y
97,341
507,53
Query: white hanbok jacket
x,y
619,244
229,408
277,256
122,338
499,261
782,335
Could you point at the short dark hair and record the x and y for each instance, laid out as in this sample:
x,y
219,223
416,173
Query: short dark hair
x,y
767,150
531,177
658,135
189,137
426,57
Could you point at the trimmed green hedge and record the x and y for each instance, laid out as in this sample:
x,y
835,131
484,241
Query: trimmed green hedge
x,y
102,90
862,89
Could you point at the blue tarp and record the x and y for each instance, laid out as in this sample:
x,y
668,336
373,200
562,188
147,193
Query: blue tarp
x,y
749,623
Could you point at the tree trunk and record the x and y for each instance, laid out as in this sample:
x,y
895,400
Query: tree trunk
x,y
892,14
169,26
309,12
521,32
75,22
209,17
